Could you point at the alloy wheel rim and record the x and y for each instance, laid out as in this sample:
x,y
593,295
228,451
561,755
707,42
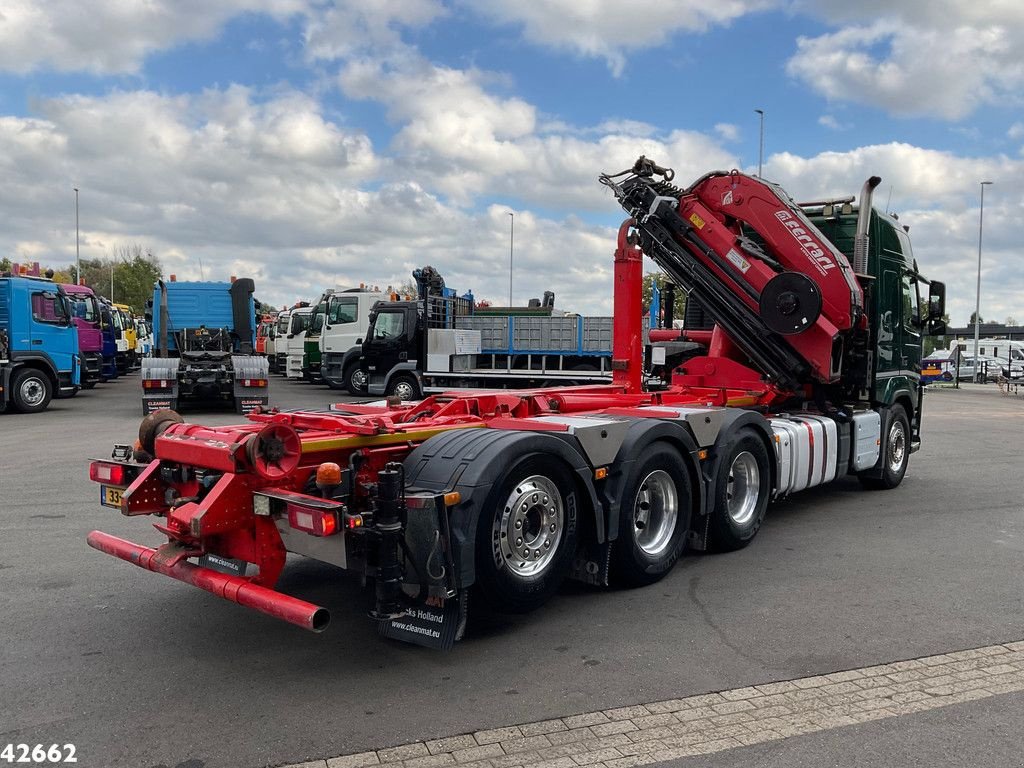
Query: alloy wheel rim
x,y
530,528
655,512
743,488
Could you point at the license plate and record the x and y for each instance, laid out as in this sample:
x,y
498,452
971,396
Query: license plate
x,y
110,496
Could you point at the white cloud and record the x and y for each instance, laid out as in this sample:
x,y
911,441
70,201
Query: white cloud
x,y
1016,131
942,58
609,29
830,122
468,141
937,195
112,36
346,27
727,131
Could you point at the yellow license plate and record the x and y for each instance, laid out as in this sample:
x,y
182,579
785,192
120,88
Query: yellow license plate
x,y
111,496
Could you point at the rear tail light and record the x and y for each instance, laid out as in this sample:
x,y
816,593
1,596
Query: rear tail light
x,y
254,382
105,472
156,384
318,522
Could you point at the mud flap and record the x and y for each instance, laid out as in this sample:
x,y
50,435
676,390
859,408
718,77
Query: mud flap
x,y
251,382
592,564
162,393
436,624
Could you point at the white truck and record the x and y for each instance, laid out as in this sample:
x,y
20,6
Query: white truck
x,y
345,325
294,341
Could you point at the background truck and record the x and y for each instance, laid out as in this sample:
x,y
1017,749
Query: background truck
x,y
277,354
108,327
85,313
346,320
204,347
809,373
127,337
443,340
295,341
39,356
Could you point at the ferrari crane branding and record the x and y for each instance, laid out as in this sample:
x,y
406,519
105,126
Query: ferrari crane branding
x,y
808,244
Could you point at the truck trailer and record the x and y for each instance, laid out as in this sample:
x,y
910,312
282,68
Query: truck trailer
x,y
443,340
809,374
203,334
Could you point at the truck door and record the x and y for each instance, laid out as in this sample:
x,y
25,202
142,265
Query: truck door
x,y
342,331
910,328
51,333
388,342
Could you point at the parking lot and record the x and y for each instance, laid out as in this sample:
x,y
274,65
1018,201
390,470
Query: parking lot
x,y
139,670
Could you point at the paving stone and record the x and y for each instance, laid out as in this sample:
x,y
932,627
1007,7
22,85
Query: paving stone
x,y
449,744
626,713
359,760
741,693
473,754
653,721
430,761
783,687
570,736
597,756
525,744
404,752
607,729
497,734
589,718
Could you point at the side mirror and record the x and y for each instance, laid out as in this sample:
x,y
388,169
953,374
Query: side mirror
x,y
936,300
936,328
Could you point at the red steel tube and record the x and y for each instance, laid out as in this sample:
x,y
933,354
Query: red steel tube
x,y
234,588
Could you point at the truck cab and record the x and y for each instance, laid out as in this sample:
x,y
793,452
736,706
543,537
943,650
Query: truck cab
x,y
40,359
277,346
311,356
126,359
393,346
85,313
346,323
298,325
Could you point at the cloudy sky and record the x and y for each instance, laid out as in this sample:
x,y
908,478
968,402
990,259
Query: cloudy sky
x,y
310,143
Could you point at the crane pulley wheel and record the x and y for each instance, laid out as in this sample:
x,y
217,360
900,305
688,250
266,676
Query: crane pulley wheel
x,y
790,303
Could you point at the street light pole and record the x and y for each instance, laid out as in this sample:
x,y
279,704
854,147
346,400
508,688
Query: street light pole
x,y
511,248
977,297
78,260
760,144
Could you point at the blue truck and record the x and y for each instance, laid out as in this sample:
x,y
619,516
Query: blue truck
x,y
39,356
203,335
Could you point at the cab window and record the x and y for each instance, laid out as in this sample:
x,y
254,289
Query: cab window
x,y
343,310
47,308
389,325
911,304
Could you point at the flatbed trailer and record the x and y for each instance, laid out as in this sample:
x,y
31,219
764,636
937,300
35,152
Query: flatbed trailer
x,y
502,495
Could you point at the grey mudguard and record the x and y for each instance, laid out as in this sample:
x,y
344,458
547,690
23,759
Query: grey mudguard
x,y
250,367
470,461
160,368
641,434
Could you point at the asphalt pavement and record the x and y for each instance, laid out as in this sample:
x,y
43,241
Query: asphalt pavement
x,y
139,670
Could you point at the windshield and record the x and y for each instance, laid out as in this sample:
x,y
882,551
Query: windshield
x,y
388,325
84,307
299,323
282,324
318,318
343,310
116,317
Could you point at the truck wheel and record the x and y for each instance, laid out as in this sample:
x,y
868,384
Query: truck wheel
x,y
355,380
30,391
653,518
742,488
526,535
895,453
404,386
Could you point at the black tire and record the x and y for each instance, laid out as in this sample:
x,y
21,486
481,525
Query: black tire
x,y
742,491
31,390
895,453
653,518
355,380
404,386
520,585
